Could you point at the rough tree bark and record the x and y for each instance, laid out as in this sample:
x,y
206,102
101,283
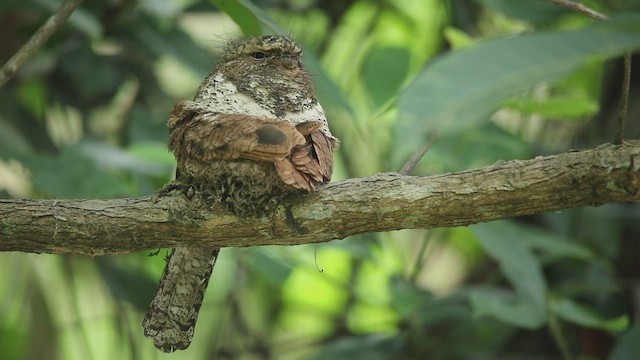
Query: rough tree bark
x,y
382,202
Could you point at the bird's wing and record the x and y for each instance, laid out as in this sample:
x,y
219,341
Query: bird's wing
x,y
311,163
302,154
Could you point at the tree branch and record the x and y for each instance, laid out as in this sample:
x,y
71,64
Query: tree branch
x,y
38,39
382,202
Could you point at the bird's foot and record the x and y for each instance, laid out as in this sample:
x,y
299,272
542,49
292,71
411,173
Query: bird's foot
x,y
295,225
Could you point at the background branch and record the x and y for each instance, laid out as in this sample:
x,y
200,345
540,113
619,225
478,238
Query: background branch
x,y
383,202
624,98
38,39
569,4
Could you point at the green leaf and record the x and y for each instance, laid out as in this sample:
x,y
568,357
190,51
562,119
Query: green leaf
x,y
554,245
265,19
115,158
249,17
548,242
91,77
406,297
573,312
332,98
126,283
151,151
557,107
370,347
246,20
384,71
507,307
535,11
471,149
462,88
628,345
503,242
173,42
71,174
264,261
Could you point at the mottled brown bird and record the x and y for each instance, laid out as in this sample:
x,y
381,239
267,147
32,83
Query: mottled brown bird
x,y
253,134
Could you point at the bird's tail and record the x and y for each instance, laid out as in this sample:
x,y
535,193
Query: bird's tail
x,y
172,315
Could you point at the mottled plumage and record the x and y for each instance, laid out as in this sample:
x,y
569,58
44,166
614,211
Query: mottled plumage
x,y
253,134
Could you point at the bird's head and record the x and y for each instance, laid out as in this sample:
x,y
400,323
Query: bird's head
x,y
269,51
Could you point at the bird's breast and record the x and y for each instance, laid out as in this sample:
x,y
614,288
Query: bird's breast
x,y
252,97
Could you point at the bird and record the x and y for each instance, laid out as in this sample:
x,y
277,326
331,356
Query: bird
x,y
254,134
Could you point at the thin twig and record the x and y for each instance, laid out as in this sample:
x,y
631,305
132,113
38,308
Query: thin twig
x,y
580,8
555,328
415,158
315,259
38,39
626,71
624,102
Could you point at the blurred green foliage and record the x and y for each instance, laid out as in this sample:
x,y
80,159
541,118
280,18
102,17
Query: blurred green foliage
x,y
497,80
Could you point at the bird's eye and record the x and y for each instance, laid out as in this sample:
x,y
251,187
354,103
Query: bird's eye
x,y
258,55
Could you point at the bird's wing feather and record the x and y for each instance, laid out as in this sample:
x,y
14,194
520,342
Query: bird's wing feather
x,y
302,154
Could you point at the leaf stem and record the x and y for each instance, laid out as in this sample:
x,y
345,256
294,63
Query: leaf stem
x,y
558,336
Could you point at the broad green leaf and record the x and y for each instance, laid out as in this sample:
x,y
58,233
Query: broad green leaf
x,y
384,71
548,242
175,43
573,312
473,149
70,174
628,345
151,151
112,157
263,262
558,107
330,95
370,347
535,11
262,16
91,77
406,297
462,88
126,283
503,242
249,17
507,307
554,245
